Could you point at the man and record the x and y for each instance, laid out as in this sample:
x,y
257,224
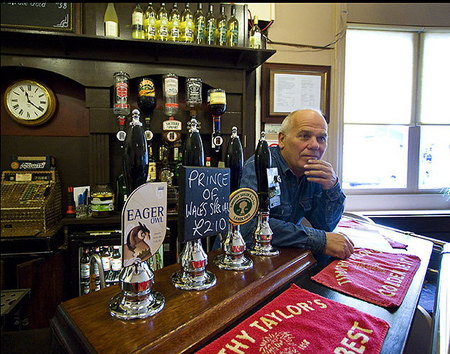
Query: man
x,y
309,188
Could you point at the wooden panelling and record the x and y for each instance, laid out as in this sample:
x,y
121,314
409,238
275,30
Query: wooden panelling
x,y
99,159
98,97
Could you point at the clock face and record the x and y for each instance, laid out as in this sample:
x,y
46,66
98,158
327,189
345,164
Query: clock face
x,y
29,102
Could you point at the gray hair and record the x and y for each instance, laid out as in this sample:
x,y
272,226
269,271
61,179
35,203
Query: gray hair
x,y
287,122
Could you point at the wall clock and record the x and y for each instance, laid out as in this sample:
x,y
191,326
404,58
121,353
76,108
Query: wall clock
x,y
29,102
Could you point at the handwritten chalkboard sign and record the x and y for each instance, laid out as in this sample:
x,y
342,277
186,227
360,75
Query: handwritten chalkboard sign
x,y
204,202
51,16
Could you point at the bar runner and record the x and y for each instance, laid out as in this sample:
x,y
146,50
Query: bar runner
x,y
380,278
299,321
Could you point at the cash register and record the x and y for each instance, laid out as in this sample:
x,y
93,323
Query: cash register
x,y
30,196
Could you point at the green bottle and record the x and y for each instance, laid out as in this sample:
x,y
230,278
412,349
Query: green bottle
x,y
221,28
199,25
233,29
174,24
210,30
137,23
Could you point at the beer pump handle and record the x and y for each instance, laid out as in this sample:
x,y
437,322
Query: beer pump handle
x,y
263,161
234,160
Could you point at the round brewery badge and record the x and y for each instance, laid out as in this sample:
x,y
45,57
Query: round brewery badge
x,y
243,205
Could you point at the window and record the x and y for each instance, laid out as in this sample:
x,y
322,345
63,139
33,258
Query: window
x,y
396,115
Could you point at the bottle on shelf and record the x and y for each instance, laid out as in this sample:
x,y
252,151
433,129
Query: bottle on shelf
x,y
85,270
106,261
151,176
170,90
221,27
137,23
116,261
121,106
187,25
233,29
174,24
255,35
199,25
150,22
210,29
162,23
111,22
217,104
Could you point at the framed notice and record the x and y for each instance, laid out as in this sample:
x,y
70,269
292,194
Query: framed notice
x,y
42,16
289,87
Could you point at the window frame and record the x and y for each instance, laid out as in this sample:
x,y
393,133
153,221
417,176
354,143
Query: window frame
x,y
378,198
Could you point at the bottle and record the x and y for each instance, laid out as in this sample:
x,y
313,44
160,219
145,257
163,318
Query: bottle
x,y
162,23
217,104
199,25
85,271
150,22
116,260
221,28
121,192
255,35
106,261
233,29
111,22
187,25
121,106
151,176
135,155
96,270
210,29
170,89
137,23
193,154
234,160
193,92
177,168
146,99
174,24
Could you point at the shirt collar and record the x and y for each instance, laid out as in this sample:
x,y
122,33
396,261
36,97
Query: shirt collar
x,y
276,152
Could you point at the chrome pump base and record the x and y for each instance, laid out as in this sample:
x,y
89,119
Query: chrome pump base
x,y
136,300
233,257
262,236
193,275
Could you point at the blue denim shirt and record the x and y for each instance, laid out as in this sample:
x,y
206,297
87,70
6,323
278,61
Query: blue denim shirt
x,y
299,198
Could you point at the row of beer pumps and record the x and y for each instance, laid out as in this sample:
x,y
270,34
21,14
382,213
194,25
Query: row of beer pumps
x,y
136,278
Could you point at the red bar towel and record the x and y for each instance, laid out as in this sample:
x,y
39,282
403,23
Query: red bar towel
x,y
378,277
299,321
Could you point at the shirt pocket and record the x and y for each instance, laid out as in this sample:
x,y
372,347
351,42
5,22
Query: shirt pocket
x,y
306,204
283,211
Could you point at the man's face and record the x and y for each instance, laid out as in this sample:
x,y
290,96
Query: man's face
x,y
305,140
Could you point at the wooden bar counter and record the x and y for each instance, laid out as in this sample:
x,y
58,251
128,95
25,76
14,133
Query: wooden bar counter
x,y
189,318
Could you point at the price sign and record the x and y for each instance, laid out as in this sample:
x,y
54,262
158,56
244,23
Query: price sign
x,y
204,202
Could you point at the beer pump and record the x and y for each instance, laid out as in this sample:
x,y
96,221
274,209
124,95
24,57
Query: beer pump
x,y
193,259
243,206
140,238
265,175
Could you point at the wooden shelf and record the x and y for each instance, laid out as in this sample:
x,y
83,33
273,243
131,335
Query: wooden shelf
x,y
69,45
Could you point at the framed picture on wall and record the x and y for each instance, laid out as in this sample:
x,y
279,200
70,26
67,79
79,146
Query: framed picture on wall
x,y
288,87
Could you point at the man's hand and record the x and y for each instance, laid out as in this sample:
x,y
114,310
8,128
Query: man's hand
x,y
338,245
321,172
